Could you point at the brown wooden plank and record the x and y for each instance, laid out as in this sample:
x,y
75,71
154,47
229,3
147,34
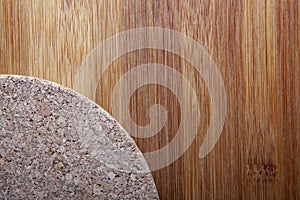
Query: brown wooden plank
x,y
256,47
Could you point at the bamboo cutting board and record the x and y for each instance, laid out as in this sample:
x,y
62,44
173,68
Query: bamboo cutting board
x,y
254,46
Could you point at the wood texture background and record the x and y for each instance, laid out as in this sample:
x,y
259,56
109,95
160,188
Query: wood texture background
x,y
256,47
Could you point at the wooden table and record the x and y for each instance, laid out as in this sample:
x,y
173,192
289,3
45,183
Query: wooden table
x,y
255,47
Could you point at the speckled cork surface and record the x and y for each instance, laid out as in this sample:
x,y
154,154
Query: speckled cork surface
x,y
57,144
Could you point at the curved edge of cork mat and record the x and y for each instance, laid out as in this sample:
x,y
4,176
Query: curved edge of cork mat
x,y
55,142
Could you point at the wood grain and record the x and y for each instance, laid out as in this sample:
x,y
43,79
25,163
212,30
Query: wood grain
x,y
256,47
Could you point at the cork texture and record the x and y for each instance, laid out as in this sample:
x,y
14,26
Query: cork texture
x,y
56,143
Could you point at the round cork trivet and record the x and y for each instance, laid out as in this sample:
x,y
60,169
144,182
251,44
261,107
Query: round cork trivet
x,y
56,143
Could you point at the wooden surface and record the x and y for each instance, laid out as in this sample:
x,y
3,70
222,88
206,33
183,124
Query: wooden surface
x,y
256,47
